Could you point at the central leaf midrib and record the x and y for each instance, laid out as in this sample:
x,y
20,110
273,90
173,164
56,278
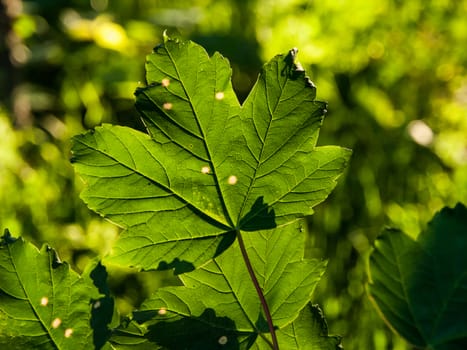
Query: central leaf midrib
x,y
271,113
208,151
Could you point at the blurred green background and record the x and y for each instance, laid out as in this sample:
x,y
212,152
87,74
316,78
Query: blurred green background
x,y
394,74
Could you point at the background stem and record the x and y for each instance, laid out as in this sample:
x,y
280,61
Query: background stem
x,y
259,291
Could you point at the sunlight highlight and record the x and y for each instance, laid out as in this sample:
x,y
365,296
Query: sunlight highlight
x,y
232,180
56,323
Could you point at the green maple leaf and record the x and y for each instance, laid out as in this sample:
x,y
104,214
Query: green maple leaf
x,y
211,174
44,304
420,286
209,168
218,304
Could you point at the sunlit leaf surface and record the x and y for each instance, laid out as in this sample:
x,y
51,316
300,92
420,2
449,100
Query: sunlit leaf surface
x,y
208,168
43,304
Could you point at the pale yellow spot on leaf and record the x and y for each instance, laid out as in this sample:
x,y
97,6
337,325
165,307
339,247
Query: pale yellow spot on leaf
x,y
68,332
44,301
223,340
232,180
167,106
162,311
97,304
205,170
165,82
219,95
56,323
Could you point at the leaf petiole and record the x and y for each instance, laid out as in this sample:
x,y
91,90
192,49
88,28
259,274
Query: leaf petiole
x,y
264,304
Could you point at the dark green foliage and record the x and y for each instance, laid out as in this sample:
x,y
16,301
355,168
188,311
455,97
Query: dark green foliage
x,y
420,286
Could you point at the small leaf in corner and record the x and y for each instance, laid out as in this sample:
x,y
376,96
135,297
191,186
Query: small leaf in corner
x,y
420,285
43,303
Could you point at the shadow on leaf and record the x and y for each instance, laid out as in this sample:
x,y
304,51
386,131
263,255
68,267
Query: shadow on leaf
x,y
179,266
260,217
184,266
103,308
204,332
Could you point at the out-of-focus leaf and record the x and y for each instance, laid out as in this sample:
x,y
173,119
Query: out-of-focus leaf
x,y
209,167
43,303
420,286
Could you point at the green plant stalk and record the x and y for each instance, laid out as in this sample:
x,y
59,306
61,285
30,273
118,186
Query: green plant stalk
x,y
264,304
